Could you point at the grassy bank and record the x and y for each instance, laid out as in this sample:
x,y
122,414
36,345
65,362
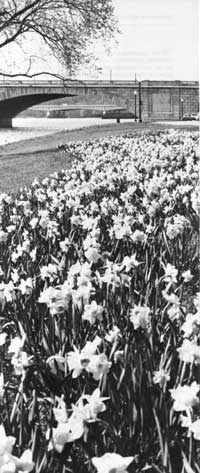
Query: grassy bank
x,y
21,162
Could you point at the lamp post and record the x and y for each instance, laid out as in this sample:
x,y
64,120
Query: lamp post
x,y
182,108
139,99
135,95
140,102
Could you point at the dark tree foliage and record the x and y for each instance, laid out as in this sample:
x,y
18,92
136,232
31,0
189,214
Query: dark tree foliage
x,y
66,26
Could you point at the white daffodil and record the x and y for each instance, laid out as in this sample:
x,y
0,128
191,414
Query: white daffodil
x,y
60,411
7,292
195,429
24,463
20,360
92,312
75,363
89,406
79,360
191,326
92,254
161,377
111,463
15,276
113,334
16,344
170,273
130,262
140,317
50,271
26,286
185,397
3,337
187,276
98,366
189,352
1,385
66,432
6,443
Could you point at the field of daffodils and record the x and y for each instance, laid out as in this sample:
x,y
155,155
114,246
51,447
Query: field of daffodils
x,y
100,312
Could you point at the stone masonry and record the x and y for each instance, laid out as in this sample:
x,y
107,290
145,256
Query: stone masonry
x,y
160,100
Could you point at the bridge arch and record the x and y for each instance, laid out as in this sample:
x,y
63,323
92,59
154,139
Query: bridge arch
x,y
12,106
16,97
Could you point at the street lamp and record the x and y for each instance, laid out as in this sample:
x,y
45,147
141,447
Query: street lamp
x,y
182,108
135,94
140,102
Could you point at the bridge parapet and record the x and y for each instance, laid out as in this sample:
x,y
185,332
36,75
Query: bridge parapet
x,y
158,98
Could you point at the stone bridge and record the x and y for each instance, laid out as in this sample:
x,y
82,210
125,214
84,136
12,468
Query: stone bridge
x,y
16,96
158,99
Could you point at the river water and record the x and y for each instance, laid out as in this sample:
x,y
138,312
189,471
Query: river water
x,y
25,128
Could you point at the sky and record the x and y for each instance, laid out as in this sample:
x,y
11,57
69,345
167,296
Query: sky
x,y
158,40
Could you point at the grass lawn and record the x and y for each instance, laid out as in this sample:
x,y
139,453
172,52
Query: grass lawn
x,y
21,162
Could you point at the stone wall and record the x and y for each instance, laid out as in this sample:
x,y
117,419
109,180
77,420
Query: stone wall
x,y
162,99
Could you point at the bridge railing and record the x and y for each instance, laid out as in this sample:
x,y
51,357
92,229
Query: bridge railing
x,y
61,83
94,83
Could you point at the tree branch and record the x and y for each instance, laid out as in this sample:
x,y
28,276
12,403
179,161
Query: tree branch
x,y
18,13
66,26
36,74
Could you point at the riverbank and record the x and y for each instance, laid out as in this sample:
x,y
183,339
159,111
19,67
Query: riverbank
x,y
21,162
31,127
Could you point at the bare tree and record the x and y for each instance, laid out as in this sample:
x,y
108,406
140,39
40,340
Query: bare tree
x,y
66,26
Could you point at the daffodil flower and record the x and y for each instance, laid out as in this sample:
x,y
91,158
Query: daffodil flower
x,y
24,463
89,406
185,397
111,463
195,429
65,432
6,443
